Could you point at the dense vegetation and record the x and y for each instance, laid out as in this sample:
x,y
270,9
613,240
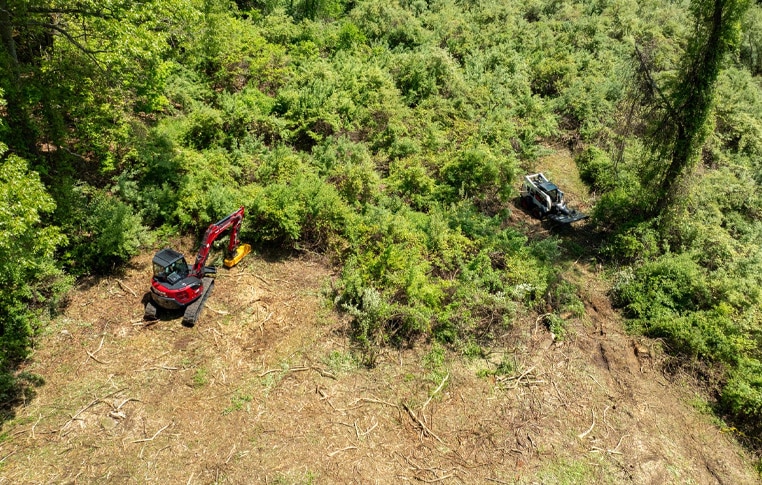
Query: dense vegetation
x,y
389,136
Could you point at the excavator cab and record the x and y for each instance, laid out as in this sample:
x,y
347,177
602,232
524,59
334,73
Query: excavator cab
x,y
170,266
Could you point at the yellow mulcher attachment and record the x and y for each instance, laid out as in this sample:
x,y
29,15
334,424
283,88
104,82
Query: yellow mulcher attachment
x,y
241,251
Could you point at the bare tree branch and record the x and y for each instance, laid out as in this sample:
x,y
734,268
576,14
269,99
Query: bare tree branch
x,y
651,83
70,38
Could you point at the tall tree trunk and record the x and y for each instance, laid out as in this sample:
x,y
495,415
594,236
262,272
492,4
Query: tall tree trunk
x,y
6,33
693,98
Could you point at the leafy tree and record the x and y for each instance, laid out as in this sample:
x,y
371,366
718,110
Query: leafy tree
x,y
29,276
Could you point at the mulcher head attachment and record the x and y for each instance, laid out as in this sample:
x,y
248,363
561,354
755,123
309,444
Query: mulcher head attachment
x,y
241,251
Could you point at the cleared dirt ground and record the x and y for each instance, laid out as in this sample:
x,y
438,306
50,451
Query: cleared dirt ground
x,y
266,389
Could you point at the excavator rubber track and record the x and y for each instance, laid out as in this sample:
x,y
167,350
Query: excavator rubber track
x,y
193,311
149,315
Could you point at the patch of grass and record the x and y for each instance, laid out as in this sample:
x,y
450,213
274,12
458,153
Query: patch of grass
x,y
471,350
576,308
506,367
340,362
200,378
567,472
309,478
238,403
434,362
556,325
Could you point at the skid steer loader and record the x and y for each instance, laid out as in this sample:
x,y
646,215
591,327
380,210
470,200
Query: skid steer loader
x,y
545,200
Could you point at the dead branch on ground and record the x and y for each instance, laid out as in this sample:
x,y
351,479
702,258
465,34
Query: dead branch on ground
x,y
424,429
89,405
152,437
92,354
582,435
439,388
342,449
125,287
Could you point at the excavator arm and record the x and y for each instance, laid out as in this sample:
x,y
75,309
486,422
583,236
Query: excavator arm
x,y
235,251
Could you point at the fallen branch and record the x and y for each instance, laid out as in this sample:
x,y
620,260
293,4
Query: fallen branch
x,y
125,287
262,323
365,433
519,377
117,408
519,380
343,449
433,480
599,384
91,404
439,388
152,437
269,372
424,429
96,358
35,425
92,354
560,396
370,400
596,449
9,455
230,455
537,321
299,369
582,435
616,448
324,373
218,312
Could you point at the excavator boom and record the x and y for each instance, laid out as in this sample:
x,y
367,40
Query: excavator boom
x,y
235,251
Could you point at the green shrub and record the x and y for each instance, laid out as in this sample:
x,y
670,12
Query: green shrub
x,y
350,36
671,283
32,284
370,313
349,167
109,233
477,172
556,325
203,128
639,242
422,74
305,210
742,394
410,178
185,89
596,169
388,22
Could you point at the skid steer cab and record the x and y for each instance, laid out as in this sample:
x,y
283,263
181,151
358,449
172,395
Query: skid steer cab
x,y
176,285
545,200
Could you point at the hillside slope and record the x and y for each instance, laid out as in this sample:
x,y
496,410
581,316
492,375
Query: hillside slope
x,y
265,390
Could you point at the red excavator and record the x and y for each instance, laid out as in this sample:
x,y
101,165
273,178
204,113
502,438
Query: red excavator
x,y
175,285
